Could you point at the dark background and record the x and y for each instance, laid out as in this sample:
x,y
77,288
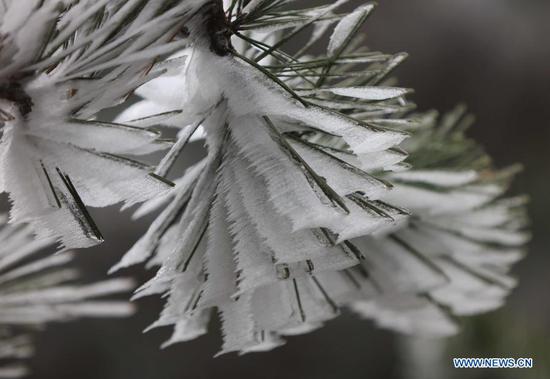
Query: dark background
x,y
490,54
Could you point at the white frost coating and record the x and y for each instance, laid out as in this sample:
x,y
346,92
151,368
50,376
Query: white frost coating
x,y
288,187
182,186
36,289
458,248
346,28
274,209
14,347
55,157
425,201
407,315
361,138
188,328
464,286
437,178
218,259
397,270
141,109
271,224
388,160
368,93
342,178
286,223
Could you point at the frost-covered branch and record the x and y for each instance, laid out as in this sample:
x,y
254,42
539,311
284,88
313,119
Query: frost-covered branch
x,y
271,227
61,63
322,188
36,289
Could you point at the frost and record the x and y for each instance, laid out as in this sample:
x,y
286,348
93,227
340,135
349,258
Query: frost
x,y
36,289
268,215
320,190
56,159
368,93
307,201
347,28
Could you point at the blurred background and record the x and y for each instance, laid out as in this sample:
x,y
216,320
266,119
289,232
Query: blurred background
x,y
492,55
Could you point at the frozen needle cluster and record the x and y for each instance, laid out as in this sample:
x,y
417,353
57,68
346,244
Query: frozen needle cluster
x,y
36,289
291,216
61,63
321,188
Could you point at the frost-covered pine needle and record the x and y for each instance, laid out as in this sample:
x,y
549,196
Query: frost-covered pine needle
x,y
36,289
61,63
311,198
453,255
292,216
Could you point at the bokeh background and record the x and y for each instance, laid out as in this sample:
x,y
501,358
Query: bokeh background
x,y
493,55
